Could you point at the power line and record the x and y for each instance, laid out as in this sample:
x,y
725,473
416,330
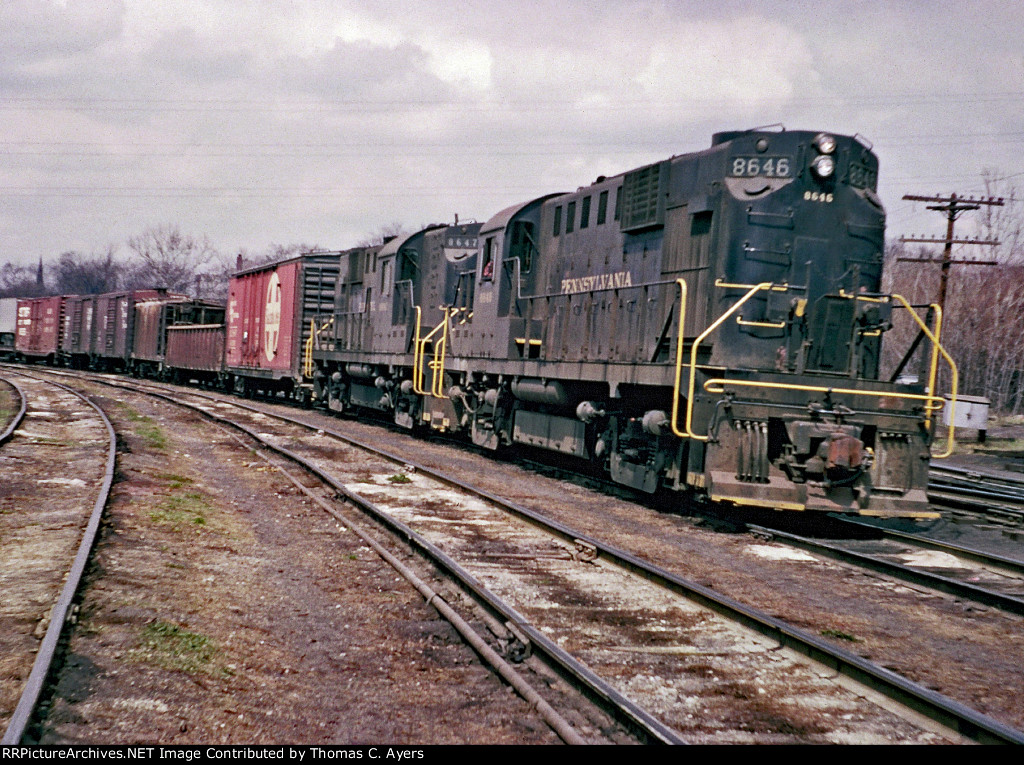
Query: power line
x,y
489,104
953,206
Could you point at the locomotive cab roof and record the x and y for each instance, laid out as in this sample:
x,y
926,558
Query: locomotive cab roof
x,y
501,219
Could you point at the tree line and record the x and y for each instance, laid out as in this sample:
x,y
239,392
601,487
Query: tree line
x,y
161,256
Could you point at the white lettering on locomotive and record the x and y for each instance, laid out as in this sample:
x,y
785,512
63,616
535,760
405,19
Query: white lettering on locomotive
x,y
597,282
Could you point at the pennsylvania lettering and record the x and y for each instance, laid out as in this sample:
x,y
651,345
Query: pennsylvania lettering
x,y
597,282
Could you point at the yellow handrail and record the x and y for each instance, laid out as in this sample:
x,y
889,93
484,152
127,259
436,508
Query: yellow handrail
x,y
437,365
774,287
679,357
930,401
717,385
933,372
416,351
754,289
307,361
439,357
766,324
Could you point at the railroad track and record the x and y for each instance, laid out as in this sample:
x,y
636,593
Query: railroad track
x,y
48,526
18,413
674,617
979,480
965,573
995,498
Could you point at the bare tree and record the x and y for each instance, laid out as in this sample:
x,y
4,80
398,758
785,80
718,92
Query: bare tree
x,y
20,281
78,274
168,258
1004,223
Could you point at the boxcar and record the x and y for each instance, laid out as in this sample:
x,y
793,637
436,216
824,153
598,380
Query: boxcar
x,y
270,309
39,326
76,337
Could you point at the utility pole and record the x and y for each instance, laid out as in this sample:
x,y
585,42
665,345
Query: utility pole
x,y
953,206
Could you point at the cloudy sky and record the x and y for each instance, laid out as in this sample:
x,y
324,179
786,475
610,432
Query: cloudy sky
x,y
320,121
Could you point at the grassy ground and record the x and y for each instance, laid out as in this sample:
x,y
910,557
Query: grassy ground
x,y
8,405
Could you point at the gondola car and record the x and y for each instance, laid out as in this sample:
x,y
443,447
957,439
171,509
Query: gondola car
x,y
196,352
154,320
709,323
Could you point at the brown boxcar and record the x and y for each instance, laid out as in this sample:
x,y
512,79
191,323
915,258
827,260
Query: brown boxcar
x,y
76,338
114,327
40,322
269,313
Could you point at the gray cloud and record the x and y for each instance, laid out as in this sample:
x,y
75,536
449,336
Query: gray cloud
x,y
33,31
319,120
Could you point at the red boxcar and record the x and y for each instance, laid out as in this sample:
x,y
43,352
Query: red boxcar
x,y
40,323
269,313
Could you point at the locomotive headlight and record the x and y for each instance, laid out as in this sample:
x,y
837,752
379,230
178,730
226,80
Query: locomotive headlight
x,y
823,166
825,143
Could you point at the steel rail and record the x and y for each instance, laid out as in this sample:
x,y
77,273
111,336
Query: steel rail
x,y
22,408
976,475
968,553
935,581
62,610
947,712
556,721
634,717
993,510
973,491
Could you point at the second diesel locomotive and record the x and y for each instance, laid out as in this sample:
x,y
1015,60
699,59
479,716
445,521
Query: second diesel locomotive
x,y
711,322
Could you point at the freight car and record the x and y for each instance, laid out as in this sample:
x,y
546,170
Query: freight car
x,y
196,352
710,323
268,322
99,330
8,326
154,320
40,326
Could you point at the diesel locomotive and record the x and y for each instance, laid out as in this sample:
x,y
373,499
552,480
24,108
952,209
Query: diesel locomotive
x,y
709,323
